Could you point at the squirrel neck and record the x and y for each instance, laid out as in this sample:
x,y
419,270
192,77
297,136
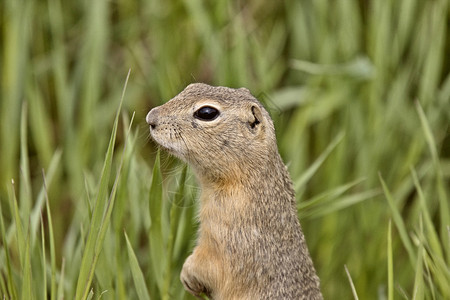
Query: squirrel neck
x,y
266,182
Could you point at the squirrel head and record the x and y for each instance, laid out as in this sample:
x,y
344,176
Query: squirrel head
x,y
223,133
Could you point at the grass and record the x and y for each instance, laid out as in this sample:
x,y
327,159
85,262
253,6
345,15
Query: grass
x,y
359,92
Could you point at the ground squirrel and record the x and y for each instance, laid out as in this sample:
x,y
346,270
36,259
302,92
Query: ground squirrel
x,y
250,244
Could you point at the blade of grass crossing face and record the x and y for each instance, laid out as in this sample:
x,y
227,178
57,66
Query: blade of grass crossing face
x,y
93,241
399,222
390,264
138,276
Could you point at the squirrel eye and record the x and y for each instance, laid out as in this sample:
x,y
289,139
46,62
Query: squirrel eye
x,y
206,113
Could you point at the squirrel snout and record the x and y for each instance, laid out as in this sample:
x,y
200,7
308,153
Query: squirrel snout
x,y
152,118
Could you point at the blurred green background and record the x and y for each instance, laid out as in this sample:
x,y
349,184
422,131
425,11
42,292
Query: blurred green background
x,y
359,92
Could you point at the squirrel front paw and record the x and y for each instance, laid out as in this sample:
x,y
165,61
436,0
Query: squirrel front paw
x,y
191,281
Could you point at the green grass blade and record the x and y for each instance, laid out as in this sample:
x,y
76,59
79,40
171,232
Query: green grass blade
x,y
26,290
339,204
187,224
93,242
121,287
156,239
90,296
300,182
138,276
88,199
37,210
52,242
328,196
440,185
418,290
40,124
355,294
18,18
399,223
3,288
110,205
9,276
360,68
390,264
428,133
60,293
44,262
88,263
429,277
21,240
441,273
25,185
433,238
174,221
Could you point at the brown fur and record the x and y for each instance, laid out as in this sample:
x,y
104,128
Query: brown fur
x,y
250,243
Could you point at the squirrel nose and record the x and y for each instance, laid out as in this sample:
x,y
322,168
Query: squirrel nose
x,y
152,118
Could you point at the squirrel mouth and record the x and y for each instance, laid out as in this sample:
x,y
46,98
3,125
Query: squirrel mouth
x,y
163,145
171,148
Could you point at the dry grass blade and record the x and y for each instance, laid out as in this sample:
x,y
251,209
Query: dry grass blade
x,y
355,295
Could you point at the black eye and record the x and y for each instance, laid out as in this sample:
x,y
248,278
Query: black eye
x,y
206,113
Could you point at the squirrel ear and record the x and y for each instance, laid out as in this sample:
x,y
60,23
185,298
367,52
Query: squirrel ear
x,y
256,117
245,90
